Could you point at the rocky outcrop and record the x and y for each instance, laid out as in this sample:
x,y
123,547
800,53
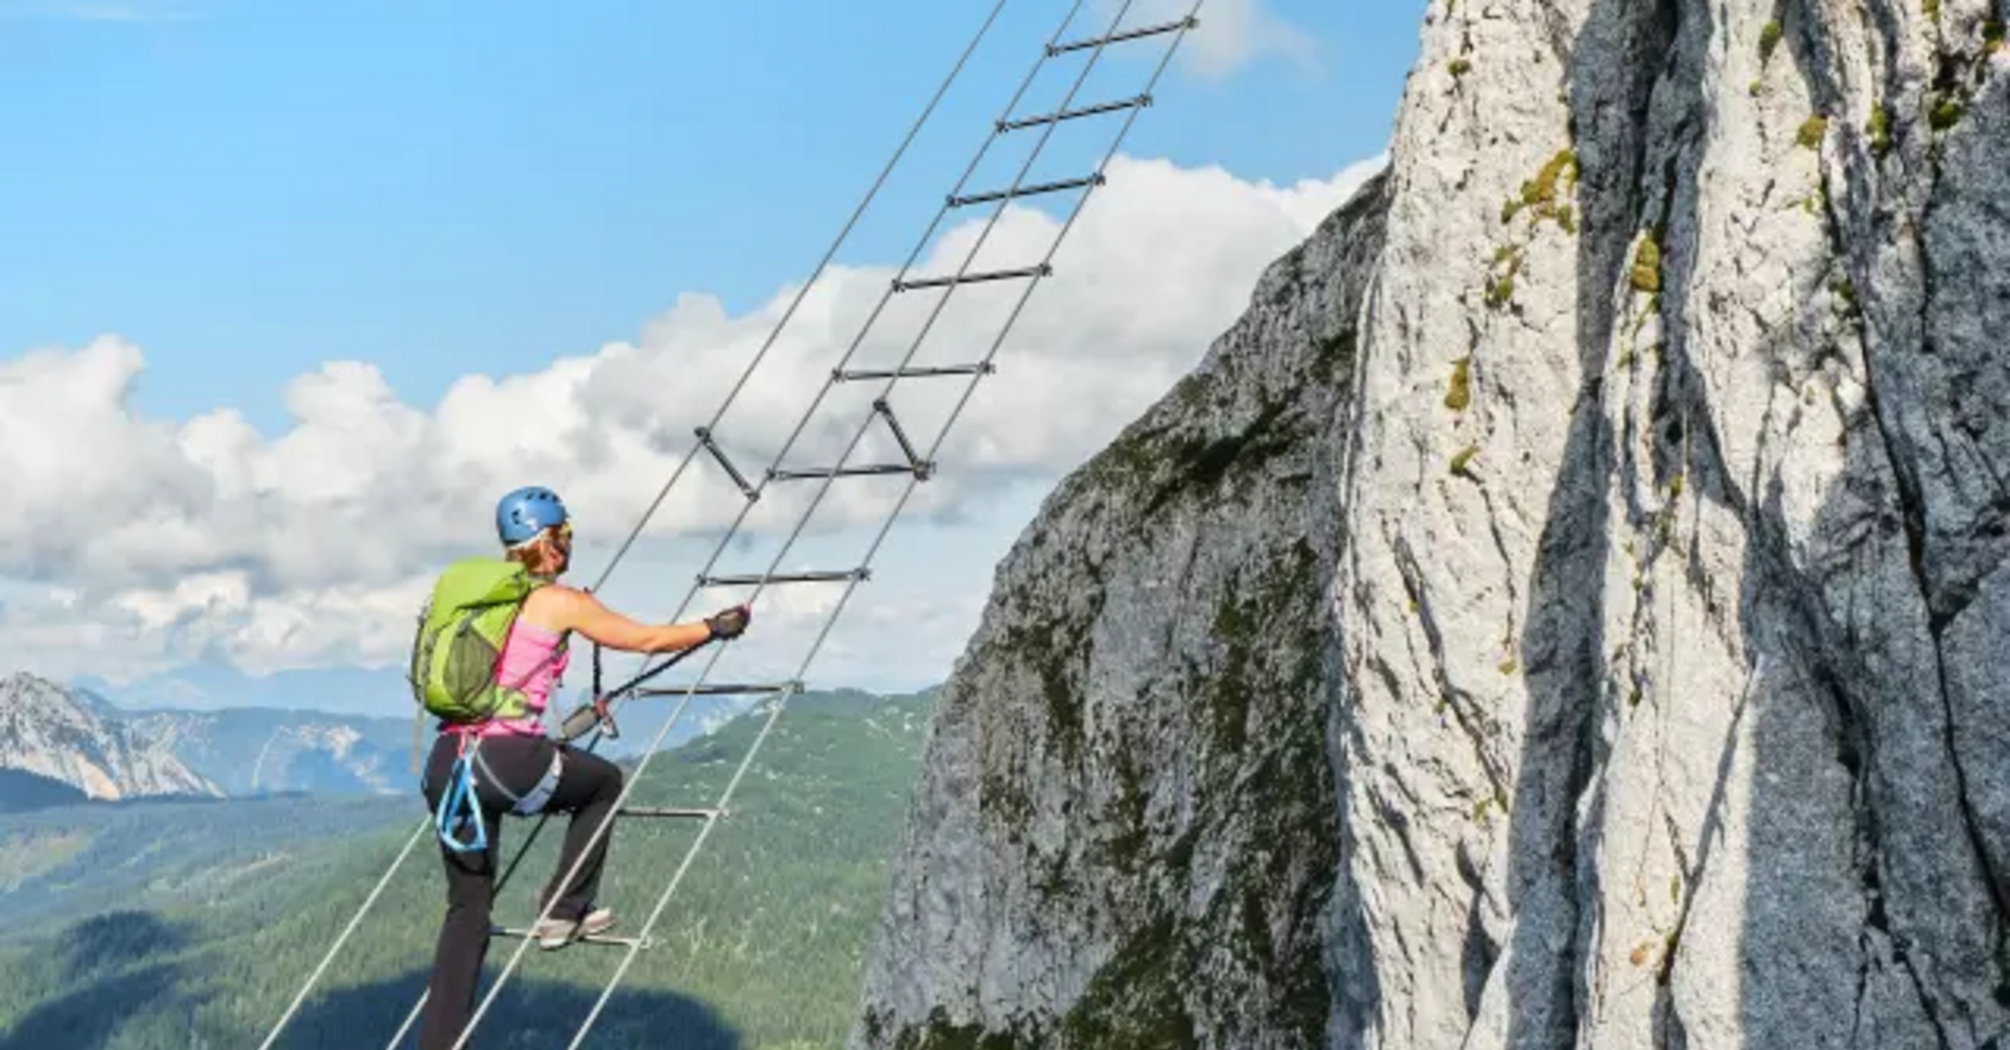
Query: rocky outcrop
x,y
1569,610
52,732
1126,778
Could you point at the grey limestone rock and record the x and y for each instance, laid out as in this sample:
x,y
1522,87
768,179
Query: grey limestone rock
x,y
1568,610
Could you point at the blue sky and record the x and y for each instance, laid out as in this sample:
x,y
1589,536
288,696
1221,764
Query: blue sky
x,y
250,190
451,186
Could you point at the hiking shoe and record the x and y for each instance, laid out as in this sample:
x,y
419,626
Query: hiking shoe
x,y
555,932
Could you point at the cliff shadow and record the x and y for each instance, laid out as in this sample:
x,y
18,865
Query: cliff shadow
x,y
113,938
1874,907
1561,652
1628,463
101,998
91,1015
93,965
1860,909
530,1013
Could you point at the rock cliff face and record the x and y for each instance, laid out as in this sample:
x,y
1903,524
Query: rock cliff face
x,y
69,737
1124,829
1568,610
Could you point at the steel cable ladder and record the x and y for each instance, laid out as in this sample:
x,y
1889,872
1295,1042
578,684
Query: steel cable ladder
x,y
917,465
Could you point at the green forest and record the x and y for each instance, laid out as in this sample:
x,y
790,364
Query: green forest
x,y
192,924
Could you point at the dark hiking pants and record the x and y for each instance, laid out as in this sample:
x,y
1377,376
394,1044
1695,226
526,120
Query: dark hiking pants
x,y
587,789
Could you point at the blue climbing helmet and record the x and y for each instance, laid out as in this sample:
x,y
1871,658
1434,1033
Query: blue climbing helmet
x,y
527,512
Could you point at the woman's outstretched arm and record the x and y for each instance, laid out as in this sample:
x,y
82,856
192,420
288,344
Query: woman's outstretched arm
x,y
576,610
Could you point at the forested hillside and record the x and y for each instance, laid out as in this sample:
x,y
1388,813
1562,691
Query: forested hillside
x,y
762,945
62,863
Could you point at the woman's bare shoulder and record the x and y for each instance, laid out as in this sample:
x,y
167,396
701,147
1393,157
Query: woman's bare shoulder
x,y
556,605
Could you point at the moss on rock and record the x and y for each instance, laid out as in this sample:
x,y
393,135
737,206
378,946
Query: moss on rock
x,y
1812,131
1460,393
1645,275
1769,40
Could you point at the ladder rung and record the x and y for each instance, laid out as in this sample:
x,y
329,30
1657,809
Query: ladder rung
x,y
1026,191
591,938
1071,114
830,576
721,689
1188,22
918,372
1041,270
669,812
849,472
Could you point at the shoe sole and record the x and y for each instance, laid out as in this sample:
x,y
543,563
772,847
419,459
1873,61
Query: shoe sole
x,y
583,929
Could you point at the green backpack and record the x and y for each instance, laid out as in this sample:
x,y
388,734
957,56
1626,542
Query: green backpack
x,y
460,641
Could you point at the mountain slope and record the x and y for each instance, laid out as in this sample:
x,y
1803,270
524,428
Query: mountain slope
x,y
761,947
248,751
67,862
1639,563
49,731
254,750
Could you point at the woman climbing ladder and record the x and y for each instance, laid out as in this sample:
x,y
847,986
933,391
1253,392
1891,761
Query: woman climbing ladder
x,y
501,760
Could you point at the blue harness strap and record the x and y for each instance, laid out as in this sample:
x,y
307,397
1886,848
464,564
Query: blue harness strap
x,y
459,806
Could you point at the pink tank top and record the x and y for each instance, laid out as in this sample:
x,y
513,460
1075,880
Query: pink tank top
x,y
530,662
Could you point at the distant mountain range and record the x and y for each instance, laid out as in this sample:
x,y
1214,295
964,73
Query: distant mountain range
x,y
262,750
65,744
75,738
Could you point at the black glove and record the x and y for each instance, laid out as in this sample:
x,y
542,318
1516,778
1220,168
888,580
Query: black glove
x,y
730,623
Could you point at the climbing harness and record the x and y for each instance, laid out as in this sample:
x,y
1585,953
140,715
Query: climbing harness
x,y
531,803
461,807
597,715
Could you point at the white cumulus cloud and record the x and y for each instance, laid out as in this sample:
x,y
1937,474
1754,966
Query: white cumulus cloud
x,y
1231,33
149,541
